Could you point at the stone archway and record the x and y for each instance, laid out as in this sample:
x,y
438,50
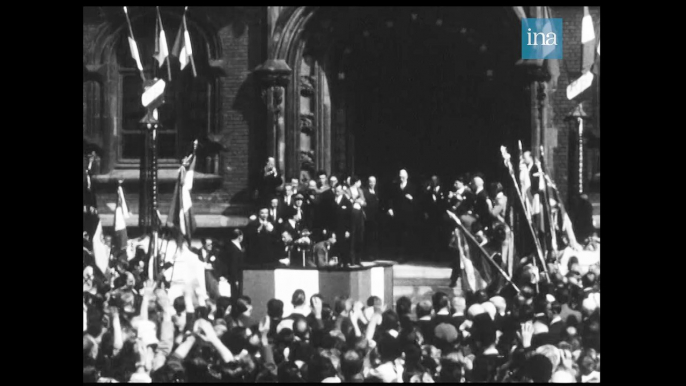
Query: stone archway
x,y
321,96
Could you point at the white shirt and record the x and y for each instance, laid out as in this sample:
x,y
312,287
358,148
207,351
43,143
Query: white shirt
x,y
403,185
338,199
237,243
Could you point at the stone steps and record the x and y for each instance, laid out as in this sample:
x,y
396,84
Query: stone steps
x,y
419,282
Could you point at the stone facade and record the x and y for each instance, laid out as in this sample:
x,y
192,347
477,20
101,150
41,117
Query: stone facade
x,y
241,38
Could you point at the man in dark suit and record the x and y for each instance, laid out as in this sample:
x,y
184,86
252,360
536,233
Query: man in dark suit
x,y
275,211
321,251
462,199
434,209
327,205
402,210
341,221
303,212
208,255
262,238
482,205
290,223
372,213
288,199
270,181
233,263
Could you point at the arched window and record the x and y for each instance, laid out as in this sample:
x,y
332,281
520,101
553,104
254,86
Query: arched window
x,y
187,113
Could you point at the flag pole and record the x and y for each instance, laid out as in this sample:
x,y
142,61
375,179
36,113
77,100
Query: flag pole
x,y
508,164
185,27
128,22
159,17
485,253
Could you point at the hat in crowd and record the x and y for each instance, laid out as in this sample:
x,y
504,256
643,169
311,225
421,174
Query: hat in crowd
x,y
551,352
490,309
500,304
484,328
299,197
474,310
446,333
589,305
285,324
563,376
540,328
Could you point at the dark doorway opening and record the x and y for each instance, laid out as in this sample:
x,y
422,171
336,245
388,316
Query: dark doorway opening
x,y
433,102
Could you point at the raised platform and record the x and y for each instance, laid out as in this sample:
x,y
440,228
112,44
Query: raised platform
x,y
269,282
201,220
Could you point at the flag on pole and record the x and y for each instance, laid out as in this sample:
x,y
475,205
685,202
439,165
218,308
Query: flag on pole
x,y
134,47
182,46
161,48
181,211
93,227
587,42
121,213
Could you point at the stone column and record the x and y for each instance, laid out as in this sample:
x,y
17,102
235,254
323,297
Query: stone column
x,y
274,76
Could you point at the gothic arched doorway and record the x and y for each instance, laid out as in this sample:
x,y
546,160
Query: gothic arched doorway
x,y
375,89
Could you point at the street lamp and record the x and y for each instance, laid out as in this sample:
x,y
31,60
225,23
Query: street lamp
x,y
576,119
148,221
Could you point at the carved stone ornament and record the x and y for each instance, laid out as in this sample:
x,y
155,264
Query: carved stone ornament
x,y
307,124
307,85
306,159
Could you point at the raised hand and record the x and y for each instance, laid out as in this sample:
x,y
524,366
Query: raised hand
x,y
317,307
205,331
264,326
527,334
149,289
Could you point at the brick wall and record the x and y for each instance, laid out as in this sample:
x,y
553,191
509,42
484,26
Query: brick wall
x,y
234,124
236,91
558,131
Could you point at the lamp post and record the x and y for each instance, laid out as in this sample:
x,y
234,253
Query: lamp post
x,y
148,221
576,119
274,76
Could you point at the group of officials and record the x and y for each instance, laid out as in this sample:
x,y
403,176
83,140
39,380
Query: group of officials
x,y
327,222
312,222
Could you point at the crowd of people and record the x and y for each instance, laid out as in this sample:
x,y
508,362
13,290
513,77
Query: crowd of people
x,y
549,331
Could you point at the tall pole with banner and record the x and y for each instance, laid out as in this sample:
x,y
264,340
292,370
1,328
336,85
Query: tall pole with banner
x,y
152,98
